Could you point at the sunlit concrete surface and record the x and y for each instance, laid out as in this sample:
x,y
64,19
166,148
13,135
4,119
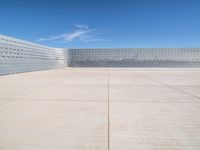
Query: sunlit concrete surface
x,y
101,109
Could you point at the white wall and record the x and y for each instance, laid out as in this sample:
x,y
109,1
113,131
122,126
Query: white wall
x,y
22,56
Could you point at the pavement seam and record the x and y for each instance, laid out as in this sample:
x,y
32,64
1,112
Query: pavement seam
x,y
95,101
108,110
170,86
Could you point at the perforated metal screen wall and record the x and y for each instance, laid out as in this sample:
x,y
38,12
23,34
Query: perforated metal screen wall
x,y
134,57
21,56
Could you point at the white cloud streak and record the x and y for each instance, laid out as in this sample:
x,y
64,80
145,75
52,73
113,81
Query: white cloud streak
x,y
82,33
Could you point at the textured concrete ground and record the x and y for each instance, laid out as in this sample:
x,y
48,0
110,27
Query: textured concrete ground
x,y
101,109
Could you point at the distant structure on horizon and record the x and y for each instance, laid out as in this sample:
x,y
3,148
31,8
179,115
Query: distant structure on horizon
x,y
22,56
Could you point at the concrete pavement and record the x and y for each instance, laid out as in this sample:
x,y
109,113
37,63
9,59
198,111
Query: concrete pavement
x,y
101,109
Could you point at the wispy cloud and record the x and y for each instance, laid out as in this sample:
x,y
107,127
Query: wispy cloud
x,y
81,33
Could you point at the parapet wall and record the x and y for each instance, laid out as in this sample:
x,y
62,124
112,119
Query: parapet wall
x,y
22,56
134,57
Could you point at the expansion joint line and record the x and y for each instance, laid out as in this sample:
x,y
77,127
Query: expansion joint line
x,y
108,110
170,86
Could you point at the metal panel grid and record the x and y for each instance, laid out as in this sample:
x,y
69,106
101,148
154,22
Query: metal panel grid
x,y
21,56
133,56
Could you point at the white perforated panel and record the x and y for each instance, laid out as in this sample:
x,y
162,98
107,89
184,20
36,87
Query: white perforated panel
x,y
21,56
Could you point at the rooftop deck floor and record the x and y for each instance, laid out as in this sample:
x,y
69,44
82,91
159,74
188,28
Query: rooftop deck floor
x,y
101,109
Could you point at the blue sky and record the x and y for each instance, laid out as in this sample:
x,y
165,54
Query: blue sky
x,y
103,23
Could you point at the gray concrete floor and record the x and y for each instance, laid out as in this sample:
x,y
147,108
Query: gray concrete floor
x,y
101,109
